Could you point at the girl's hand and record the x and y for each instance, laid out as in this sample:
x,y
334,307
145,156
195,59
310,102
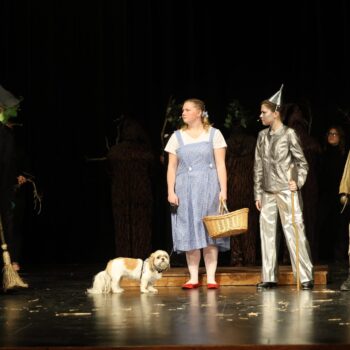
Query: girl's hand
x,y
223,196
173,199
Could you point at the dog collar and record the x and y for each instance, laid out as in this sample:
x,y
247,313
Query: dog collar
x,y
160,270
143,264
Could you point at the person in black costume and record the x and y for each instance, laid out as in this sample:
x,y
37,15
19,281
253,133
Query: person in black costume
x,y
23,192
8,169
331,226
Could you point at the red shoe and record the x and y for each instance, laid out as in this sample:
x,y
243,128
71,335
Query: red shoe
x,y
190,285
213,286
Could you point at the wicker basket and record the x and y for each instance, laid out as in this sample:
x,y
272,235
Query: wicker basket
x,y
227,224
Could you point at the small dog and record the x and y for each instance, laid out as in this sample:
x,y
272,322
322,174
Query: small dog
x,y
147,272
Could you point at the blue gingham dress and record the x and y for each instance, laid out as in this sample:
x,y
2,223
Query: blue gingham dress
x,y
197,187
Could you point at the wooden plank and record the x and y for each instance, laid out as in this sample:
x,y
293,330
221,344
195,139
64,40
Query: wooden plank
x,y
232,276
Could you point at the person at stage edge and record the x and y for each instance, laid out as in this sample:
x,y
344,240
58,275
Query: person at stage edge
x,y
280,168
8,170
197,181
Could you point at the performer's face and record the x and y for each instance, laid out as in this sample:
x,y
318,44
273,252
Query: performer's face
x,y
190,112
333,137
267,116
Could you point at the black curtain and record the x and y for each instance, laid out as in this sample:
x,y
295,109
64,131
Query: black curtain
x,y
79,65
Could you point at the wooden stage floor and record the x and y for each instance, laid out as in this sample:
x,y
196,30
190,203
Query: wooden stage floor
x,y
55,312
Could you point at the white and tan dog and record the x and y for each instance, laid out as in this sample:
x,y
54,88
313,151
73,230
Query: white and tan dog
x,y
147,271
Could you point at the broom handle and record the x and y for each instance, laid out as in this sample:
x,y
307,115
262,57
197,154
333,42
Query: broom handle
x,y
296,243
2,237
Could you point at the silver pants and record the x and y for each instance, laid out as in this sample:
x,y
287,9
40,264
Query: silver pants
x,y
272,204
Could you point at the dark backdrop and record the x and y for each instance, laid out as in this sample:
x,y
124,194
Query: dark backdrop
x,y
80,64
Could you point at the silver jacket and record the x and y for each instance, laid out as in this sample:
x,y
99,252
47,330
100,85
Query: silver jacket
x,y
278,159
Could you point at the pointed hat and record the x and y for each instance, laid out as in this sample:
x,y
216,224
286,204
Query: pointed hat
x,y
7,100
277,97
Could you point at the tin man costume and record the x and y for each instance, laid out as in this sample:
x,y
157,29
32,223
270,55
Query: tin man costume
x,y
278,159
344,191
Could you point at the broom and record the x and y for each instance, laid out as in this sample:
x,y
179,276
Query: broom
x,y
11,278
296,232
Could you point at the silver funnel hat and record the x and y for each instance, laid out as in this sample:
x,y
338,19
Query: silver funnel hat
x,y
277,98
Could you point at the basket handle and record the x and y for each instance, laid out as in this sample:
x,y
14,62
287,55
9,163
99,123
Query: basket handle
x,y
223,207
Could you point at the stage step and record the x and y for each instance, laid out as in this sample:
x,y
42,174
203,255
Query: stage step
x,y
232,276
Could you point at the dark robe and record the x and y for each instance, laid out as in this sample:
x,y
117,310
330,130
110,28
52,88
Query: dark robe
x,y
331,224
7,181
23,197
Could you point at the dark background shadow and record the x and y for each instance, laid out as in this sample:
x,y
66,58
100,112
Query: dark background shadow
x,y
79,65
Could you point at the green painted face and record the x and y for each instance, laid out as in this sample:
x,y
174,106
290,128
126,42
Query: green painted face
x,y
10,112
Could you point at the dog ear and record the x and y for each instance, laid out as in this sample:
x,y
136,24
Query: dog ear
x,y
168,257
151,262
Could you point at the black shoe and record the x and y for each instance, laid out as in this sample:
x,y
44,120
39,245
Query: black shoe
x,y
346,285
266,285
307,285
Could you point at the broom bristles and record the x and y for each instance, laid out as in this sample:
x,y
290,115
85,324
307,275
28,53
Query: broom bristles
x,y
11,278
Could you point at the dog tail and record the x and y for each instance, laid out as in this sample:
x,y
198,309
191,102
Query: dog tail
x,y
101,284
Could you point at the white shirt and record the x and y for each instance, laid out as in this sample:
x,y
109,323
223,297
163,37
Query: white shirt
x,y
173,143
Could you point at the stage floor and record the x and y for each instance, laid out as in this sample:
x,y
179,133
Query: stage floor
x,y
56,312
